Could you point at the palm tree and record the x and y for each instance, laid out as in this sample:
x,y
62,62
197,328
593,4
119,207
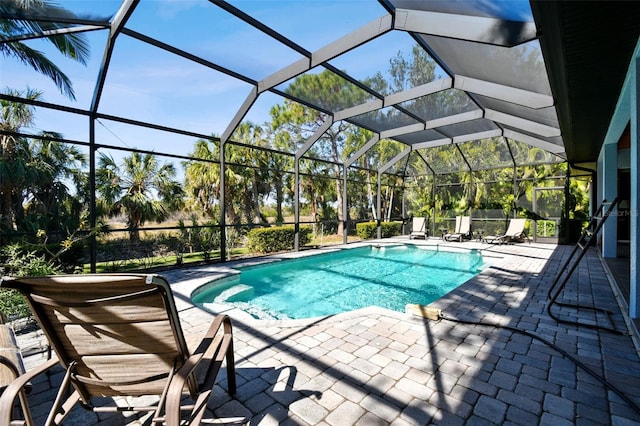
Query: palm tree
x,y
202,183
254,179
71,45
279,169
246,176
55,166
202,179
140,188
35,174
13,154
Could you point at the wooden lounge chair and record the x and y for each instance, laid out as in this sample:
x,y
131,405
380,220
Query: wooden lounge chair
x,y
515,232
119,335
463,229
419,229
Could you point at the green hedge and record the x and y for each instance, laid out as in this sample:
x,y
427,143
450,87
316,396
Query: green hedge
x,y
369,230
276,238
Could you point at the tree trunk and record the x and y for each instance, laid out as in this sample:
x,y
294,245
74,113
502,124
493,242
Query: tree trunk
x,y
279,198
256,200
134,235
370,196
18,210
340,202
314,213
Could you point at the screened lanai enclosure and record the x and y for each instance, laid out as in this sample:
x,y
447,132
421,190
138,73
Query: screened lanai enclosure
x,y
190,123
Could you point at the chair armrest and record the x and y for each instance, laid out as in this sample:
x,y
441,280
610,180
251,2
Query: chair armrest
x,y
8,398
209,355
209,337
14,370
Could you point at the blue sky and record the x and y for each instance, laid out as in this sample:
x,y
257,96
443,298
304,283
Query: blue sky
x,y
147,84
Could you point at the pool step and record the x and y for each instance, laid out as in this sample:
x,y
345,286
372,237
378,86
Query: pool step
x,y
236,290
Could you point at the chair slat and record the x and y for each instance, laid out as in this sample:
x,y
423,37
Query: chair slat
x,y
138,367
153,310
93,339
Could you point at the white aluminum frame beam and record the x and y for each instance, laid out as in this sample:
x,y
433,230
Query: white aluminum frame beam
x,y
432,124
411,128
394,160
530,140
364,108
395,98
418,91
454,119
300,66
366,147
118,23
316,135
521,123
505,93
477,136
240,114
480,29
431,144
350,41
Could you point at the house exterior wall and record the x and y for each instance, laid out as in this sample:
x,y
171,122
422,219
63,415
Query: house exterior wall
x,y
627,113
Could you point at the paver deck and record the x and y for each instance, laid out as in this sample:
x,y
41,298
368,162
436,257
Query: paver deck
x,y
380,367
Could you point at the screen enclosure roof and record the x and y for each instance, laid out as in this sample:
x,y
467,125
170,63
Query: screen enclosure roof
x,y
466,81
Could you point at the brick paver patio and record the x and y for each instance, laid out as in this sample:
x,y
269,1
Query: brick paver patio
x,y
379,367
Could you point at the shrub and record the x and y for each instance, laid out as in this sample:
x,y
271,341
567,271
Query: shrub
x,y
19,262
13,305
366,230
369,230
204,238
277,238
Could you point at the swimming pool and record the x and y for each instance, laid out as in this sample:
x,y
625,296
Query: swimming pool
x,y
326,284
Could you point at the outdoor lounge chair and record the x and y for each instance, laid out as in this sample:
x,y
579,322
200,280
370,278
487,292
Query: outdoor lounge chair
x,y
119,335
515,232
463,229
12,366
456,227
419,229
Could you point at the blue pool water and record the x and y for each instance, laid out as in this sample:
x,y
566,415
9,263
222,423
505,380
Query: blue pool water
x,y
389,277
